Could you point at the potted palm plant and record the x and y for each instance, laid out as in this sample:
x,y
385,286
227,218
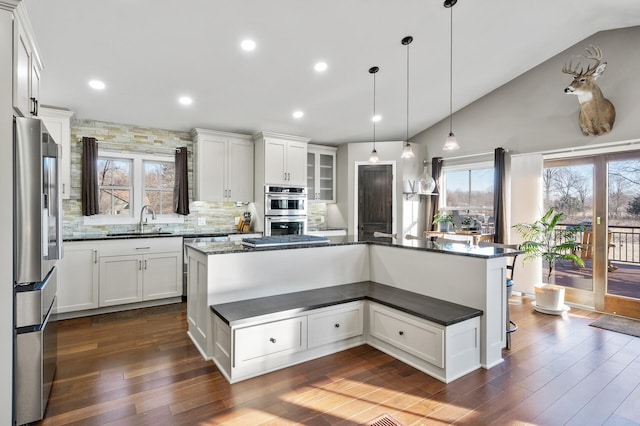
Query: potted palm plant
x,y
444,221
545,239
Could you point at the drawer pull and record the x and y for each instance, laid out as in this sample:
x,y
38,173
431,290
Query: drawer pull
x,y
337,325
272,340
401,333
143,248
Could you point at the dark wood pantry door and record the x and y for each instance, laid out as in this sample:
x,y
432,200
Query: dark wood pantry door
x,y
375,199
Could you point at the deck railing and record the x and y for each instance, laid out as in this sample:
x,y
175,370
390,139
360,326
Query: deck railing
x,y
624,243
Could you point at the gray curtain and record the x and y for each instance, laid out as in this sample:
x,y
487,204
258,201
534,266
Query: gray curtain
x,y
181,186
89,190
436,173
499,197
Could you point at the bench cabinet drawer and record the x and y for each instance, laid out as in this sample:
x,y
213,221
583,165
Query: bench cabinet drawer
x,y
418,337
336,324
255,343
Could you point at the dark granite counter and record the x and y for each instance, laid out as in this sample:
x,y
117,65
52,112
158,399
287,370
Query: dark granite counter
x,y
425,307
459,249
188,233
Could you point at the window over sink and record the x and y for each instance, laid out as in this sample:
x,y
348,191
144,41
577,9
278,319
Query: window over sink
x,y
129,181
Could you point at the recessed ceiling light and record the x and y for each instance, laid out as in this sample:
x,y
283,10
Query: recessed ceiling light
x,y
185,100
97,84
298,114
376,118
248,45
320,66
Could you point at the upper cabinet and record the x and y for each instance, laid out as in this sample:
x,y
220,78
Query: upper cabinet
x,y
321,173
58,123
223,166
281,159
26,66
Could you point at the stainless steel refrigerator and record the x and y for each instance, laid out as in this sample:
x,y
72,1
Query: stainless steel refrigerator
x,y
37,246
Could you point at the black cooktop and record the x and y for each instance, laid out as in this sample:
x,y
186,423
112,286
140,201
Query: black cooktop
x,y
284,240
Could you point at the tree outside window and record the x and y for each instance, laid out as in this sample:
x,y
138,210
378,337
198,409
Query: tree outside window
x,y
159,178
115,186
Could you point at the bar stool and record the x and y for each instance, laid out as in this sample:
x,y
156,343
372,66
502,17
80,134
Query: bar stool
x,y
511,326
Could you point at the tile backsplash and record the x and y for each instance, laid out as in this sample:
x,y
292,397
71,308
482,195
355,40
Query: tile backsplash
x,y
217,216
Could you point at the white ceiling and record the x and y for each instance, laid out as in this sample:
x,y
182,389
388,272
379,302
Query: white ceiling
x,y
150,52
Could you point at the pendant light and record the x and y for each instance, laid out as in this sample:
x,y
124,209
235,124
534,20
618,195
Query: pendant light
x,y
407,151
373,157
451,143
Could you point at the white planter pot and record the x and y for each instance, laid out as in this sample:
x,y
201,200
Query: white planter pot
x,y
550,297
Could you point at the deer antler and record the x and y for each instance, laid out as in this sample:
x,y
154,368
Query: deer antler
x,y
594,53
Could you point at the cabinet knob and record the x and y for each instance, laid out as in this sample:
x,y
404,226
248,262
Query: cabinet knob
x,y
337,325
272,340
401,333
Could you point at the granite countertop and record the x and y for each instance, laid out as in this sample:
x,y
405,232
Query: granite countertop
x,y
184,233
428,308
448,248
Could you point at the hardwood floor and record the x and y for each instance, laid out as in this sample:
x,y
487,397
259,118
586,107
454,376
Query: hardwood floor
x,y
145,371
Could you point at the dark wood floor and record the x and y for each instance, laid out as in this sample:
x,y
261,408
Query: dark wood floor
x,y
145,371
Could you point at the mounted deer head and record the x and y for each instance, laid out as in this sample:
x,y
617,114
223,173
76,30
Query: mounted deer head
x,y
597,114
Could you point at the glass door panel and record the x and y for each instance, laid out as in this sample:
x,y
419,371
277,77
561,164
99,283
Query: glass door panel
x,y
623,239
568,188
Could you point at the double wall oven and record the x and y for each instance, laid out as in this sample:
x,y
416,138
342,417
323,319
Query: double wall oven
x,y
285,210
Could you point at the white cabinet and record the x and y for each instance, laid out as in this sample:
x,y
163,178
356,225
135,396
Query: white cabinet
x,y
408,333
26,66
223,166
120,280
281,159
259,343
58,122
138,270
78,277
335,325
321,173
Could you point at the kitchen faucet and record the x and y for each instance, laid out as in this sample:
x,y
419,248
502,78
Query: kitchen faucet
x,y
149,210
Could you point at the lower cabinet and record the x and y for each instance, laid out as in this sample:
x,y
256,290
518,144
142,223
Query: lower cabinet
x,y
261,342
248,350
335,324
96,274
408,333
78,278
259,346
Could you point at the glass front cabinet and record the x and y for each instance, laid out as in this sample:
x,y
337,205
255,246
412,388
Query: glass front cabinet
x,y
321,173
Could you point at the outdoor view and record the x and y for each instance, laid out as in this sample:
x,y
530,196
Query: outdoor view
x,y
115,184
470,193
570,189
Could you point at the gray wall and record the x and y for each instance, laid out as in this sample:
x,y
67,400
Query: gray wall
x,y
531,113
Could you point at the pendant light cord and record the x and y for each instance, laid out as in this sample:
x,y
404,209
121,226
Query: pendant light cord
x,y
408,92
374,111
451,74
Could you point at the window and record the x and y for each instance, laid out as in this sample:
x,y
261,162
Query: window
x,y
127,182
468,192
159,177
114,186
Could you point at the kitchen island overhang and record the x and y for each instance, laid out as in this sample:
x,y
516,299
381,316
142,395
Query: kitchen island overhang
x,y
470,276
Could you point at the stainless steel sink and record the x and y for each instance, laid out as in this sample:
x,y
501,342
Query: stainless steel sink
x,y
137,234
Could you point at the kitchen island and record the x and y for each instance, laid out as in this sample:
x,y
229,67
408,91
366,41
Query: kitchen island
x,y
470,276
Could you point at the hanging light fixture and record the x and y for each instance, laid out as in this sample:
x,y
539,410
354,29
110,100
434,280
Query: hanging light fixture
x,y
373,157
407,151
451,143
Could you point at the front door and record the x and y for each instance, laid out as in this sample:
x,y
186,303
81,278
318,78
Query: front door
x,y
375,199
